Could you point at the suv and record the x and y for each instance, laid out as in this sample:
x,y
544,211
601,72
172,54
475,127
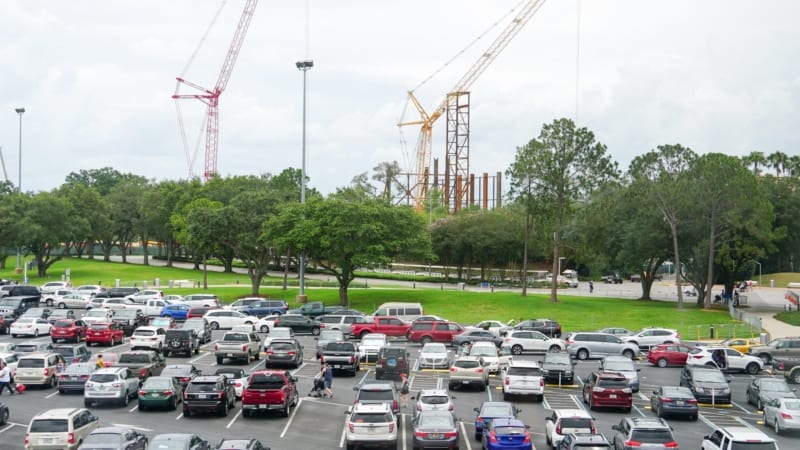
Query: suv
x,y
468,370
39,369
579,441
740,438
522,378
181,340
650,432
391,361
425,331
518,342
777,348
547,327
73,353
62,428
209,393
371,424
114,384
344,323
24,291
725,358
558,368
566,421
601,389
200,326
432,400
17,305
585,345
148,338
650,337
708,384
378,393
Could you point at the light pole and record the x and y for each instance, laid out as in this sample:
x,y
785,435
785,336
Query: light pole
x,y
560,258
759,273
303,66
19,172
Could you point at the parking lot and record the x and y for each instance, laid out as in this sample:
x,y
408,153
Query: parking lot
x,y
319,422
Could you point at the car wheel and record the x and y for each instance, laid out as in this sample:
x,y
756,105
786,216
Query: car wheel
x,y
125,398
264,329
35,332
287,410
87,403
658,411
52,382
628,354
219,360
451,387
315,331
796,376
759,405
516,349
61,391
752,368
506,397
777,426
426,340
13,335
62,306
766,358
583,354
554,349
49,302
187,412
214,325
257,356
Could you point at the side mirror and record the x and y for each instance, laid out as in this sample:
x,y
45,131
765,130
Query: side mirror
x,y
655,391
705,438
348,410
728,379
355,388
477,410
550,418
615,427
638,370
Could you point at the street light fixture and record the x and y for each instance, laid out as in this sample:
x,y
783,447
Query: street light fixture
x,y
19,172
303,66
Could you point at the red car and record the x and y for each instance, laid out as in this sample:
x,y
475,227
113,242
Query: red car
x,y
669,355
607,389
104,333
433,331
68,330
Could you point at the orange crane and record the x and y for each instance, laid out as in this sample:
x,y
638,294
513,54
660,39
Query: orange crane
x,y
426,120
211,96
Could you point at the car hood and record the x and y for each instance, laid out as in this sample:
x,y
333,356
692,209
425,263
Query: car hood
x,y
770,395
711,385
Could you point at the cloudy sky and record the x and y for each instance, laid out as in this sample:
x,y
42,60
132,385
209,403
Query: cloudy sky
x,y
96,79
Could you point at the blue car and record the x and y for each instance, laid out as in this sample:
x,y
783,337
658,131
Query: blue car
x,y
507,434
490,411
177,311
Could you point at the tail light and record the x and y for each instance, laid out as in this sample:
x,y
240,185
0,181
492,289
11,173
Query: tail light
x,y
450,434
627,390
84,377
558,428
692,401
541,382
419,407
291,353
270,352
697,356
633,444
493,437
352,359
780,365
452,407
63,377
786,416
508,382
391,427
479,370
216,347
350,426
142,393
666,399
143,373
70,438
46,371
26,439
394,405
185,395
598,389
527,438
153,338
168,392
220,395
421,434
452,369
594,428
75,359
672,444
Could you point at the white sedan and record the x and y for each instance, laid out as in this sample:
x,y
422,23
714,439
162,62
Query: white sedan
x,y
434,355
495,327
30,326
267,323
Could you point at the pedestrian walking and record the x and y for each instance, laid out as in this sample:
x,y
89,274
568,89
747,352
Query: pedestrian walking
x,y
404,390
5,378
591,287
328,376
100,363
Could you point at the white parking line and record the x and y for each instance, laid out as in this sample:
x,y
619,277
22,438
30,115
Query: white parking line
x,y
258,363
707,422
638,410
744,422
179,416
578,401
344,430
196,358
134,408
740,407
402,429
124,425
10,426
489,392
643,397
361,381
465,436
53,394
234,419
294,413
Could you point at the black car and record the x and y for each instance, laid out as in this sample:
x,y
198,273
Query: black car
x,y
183,373
129,319
558,367
199,326
391,362
284,352
74,377
181,340
17,305
210,393
547,327
240,444
115,438
708,384
298,323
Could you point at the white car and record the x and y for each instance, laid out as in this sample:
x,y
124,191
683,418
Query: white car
x,y
73,301
434,355
53,286
495,327
173,298
267,323
493,361
237,376
562,422
522,378
518,342
120,303
89,289
98,315
650,337
150,338
225,319
30,326
51,299
734,360
370,345
146,294
7,347
372,424
277,333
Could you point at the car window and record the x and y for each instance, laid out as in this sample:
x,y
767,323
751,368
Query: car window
x,y
524,371
651,436
371,417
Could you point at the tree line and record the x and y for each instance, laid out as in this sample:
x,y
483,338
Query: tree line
x,y
716,214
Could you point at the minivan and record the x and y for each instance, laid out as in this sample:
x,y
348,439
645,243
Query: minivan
x,y
401,310
62,428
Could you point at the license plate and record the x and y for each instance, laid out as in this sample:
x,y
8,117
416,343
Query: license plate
x,y
230,355
612,396
205,396
337,366
436,435
47,440
262,406
464,382
679,402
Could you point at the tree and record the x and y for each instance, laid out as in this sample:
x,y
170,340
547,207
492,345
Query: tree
x,y
757,160
661,177
44,221
779,161
386,173
562,167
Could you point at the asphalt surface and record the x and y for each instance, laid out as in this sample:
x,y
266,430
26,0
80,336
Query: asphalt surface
x,y
319,423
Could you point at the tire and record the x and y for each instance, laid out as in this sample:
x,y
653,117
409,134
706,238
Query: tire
x,y
187,412
378,375
62,305
61,391
224,411
248,357
766,358
49,302
214,325
13,335
516,349
426,340
285,412
264,329
506,397
141,408
315,331
752,368
628,354
483,387
52,383
35,332
659,414
760,406
257,356
662,362
125,399
351,446
554,349
219,360
451,387
583,354
628,409
796,376
777,426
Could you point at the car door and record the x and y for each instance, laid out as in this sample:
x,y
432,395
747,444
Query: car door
x,y
735,359
43,326
536,342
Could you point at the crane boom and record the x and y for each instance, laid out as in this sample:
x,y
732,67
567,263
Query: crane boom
x,y
426,121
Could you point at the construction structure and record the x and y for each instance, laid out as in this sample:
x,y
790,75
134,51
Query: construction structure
x,y
458,181
211,96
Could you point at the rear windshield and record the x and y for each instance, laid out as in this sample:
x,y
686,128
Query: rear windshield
x,y
158,383
467,364
396,352
31,362
557,358
49,426
262,381
202,387
235,337
652,436
103,377
134,358
509,431
340,347
496,411
524,371
63,323
437,420
281,332
612,383
367,395
592,446
27,348
65,351
282,346
144,332
434,399
371,418
99,326
576,422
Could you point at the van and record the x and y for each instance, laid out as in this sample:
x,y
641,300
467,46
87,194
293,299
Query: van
x,y
61,428
401,310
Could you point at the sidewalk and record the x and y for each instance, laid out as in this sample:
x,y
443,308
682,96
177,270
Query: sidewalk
x,y
776,328
765,302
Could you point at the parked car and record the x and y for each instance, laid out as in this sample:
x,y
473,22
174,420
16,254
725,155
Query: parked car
x,y
623,365
786,347
277,333
519,342
708,384
67,299
146,294
425,331
104,333
177,311
743,345
738,437
61,428
505,433
74,377
585,345
492,359
522,378
341,322
207,300
378,392
762,390
30,326
95,315
649,432
89,289
782,414
237,376
200,326
33,347
148,338
607,389
616,331
673,401
435,429
159,392
40,313
468,371
182,373
220,319
434,355
60,314
730,361
669,355
562,422
199,311
284,352
495,327
370,424
209,393
391,361
128,320
111,384
548,327
179,441
299,323
558,368
73,353
650,337
432,400
471,336
116,437
490,411
68,330
181,340
120,303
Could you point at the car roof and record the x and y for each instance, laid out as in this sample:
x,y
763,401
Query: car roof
x,y
522,363
370,386
373,407
57,413
206,378
572,413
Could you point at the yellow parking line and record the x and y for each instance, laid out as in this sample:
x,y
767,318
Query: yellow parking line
x,y
715,406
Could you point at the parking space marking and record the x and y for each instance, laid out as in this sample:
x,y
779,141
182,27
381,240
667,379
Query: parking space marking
x,y
10,426
644,397
196,358
638,410
237,416
740,407
179,416
361,381
52,395
134,408
316,400
344,432
464,435
403,429
291,418
743,422
124,425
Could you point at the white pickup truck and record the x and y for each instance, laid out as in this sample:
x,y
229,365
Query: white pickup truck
x,y
153,307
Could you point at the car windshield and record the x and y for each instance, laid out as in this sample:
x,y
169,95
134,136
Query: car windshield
x,y
340,347
483,351
141,332
436,420
24,320
434,348
652,436
63,324
235,337
434,399
496,411
158,383
557,358
774,385
95,313
78,369
576,423
374,394
171,444
103,439
49,426
620,366
280,333
175,372
104,377
134,358
709,376
373,341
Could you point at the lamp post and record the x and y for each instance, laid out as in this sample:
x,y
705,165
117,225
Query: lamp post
x,y
560,258
19,171
759,273
303,66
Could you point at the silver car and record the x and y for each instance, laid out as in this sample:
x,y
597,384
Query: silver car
x,y
585,345
782,414
112,384
433,400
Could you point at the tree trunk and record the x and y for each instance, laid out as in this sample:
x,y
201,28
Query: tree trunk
x,y
255,279
286,268
146,251
676,262
524,276
343,294
205,273
710,275
556,255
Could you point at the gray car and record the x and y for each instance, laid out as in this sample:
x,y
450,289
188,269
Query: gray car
x,y
787,347
761,390
327,336
585,345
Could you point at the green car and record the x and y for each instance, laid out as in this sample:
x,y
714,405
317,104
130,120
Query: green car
x,y
160,392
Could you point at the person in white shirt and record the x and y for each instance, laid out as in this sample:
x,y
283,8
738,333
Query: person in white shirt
x,y
5,378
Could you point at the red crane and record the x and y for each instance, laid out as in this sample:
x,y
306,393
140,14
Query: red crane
x,y
211,96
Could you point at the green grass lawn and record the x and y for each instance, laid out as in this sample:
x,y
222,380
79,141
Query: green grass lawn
x,y
573,312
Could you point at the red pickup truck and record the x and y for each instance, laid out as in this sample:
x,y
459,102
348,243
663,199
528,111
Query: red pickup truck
x,y
390,326
269,390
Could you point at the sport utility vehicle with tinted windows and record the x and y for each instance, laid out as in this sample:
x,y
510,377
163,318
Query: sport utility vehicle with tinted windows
x,y
378,393
433,331
562,422
209,393
391,362
547,327
61,428
585,345
649,432
787,347
181,340
601,389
